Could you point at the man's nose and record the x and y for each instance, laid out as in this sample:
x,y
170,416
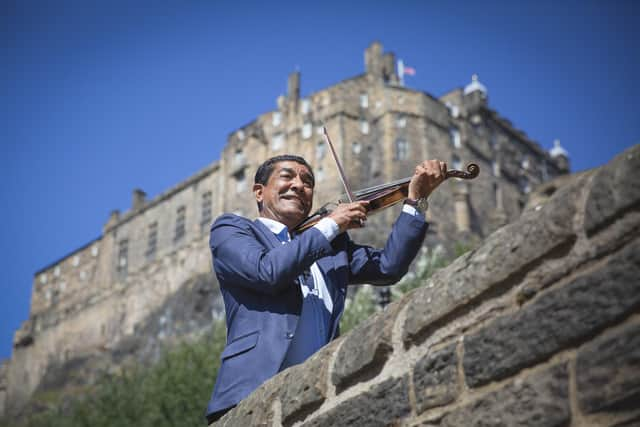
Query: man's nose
x,y
297,184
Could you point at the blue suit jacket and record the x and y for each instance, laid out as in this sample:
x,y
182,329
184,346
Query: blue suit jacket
x,y
258,279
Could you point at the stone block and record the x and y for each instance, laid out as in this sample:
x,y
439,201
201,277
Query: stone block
x,y
615,189
382,405
558,319
435,378
608,371
366,349
255,410
304,387
541,399
506,255
301,390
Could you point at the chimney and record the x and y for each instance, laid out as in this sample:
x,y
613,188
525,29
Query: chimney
x,y
138,199
373,60
390,73
293,86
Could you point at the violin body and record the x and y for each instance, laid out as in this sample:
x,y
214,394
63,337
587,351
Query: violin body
x,y
384,196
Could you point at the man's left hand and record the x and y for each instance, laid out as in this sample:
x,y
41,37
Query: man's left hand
x,y
428,175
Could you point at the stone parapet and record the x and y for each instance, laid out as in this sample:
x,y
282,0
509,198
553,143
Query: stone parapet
x,y
538,326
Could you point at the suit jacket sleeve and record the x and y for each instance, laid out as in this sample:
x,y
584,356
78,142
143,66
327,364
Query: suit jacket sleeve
x,y
240,258
388,265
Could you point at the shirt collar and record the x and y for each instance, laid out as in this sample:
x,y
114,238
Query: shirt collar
x,y
274,226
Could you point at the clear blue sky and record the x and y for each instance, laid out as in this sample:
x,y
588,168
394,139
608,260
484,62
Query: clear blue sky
x,y
101,97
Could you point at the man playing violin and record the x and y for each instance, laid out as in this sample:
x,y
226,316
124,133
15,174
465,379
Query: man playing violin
x,y
284,293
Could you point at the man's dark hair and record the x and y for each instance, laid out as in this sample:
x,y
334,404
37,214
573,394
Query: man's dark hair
x,y
266,169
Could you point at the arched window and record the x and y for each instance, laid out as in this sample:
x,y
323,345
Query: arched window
x,y
402,149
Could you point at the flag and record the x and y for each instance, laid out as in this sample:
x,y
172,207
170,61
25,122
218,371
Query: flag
x,y
410,71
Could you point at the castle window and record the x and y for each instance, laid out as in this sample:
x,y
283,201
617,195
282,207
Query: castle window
x,y
241,182
305,106
454,137
94,251
56,272
525,162
75,261
43,279
495,168
241,135
83,275
152,240
402,149
123,255
453,110
181,220
277,142
364,126
321,150
525,186
493,140
238,157
206,211
356,147
364,100
456,163
276,119
307,130
401,121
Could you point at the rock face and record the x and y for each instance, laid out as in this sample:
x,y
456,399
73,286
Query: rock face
x,y
538,326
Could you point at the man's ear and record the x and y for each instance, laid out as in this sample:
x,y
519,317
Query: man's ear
x,y
258,192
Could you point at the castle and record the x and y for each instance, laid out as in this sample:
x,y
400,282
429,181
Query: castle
x,y
91,301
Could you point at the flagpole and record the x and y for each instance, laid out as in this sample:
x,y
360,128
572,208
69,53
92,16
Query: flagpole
x,y
401,71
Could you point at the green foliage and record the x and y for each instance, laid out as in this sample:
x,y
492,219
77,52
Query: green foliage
x,y
358,308
173,392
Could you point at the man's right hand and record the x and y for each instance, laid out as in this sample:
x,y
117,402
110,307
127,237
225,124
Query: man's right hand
x,y
350,215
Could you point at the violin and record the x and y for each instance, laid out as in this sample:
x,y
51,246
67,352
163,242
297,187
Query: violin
x,y
383,196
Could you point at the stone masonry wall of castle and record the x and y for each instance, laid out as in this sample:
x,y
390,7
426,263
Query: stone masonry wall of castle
x,y
540,325
89,301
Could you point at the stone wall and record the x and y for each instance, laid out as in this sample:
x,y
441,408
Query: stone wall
x,y
538,326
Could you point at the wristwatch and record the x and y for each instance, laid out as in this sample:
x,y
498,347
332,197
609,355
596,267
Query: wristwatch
x,y
421,204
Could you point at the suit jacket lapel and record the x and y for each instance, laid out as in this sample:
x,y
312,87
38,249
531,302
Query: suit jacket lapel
x,y
269,236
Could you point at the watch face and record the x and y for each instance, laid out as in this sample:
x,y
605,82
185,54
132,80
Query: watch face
x,y
423,204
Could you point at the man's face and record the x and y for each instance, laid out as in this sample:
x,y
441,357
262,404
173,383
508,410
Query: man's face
x,y
288,195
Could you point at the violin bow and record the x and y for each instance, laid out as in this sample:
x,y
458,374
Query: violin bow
x,y
343,176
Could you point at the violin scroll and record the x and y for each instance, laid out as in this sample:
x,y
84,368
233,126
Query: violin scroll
x,y
472,171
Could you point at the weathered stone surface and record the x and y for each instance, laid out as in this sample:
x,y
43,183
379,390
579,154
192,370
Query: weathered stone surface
x,y
615,189
255,410
633,422
366,349
557,320
608,371
539,400
503,258
304,387
435,378
382,405
301,389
